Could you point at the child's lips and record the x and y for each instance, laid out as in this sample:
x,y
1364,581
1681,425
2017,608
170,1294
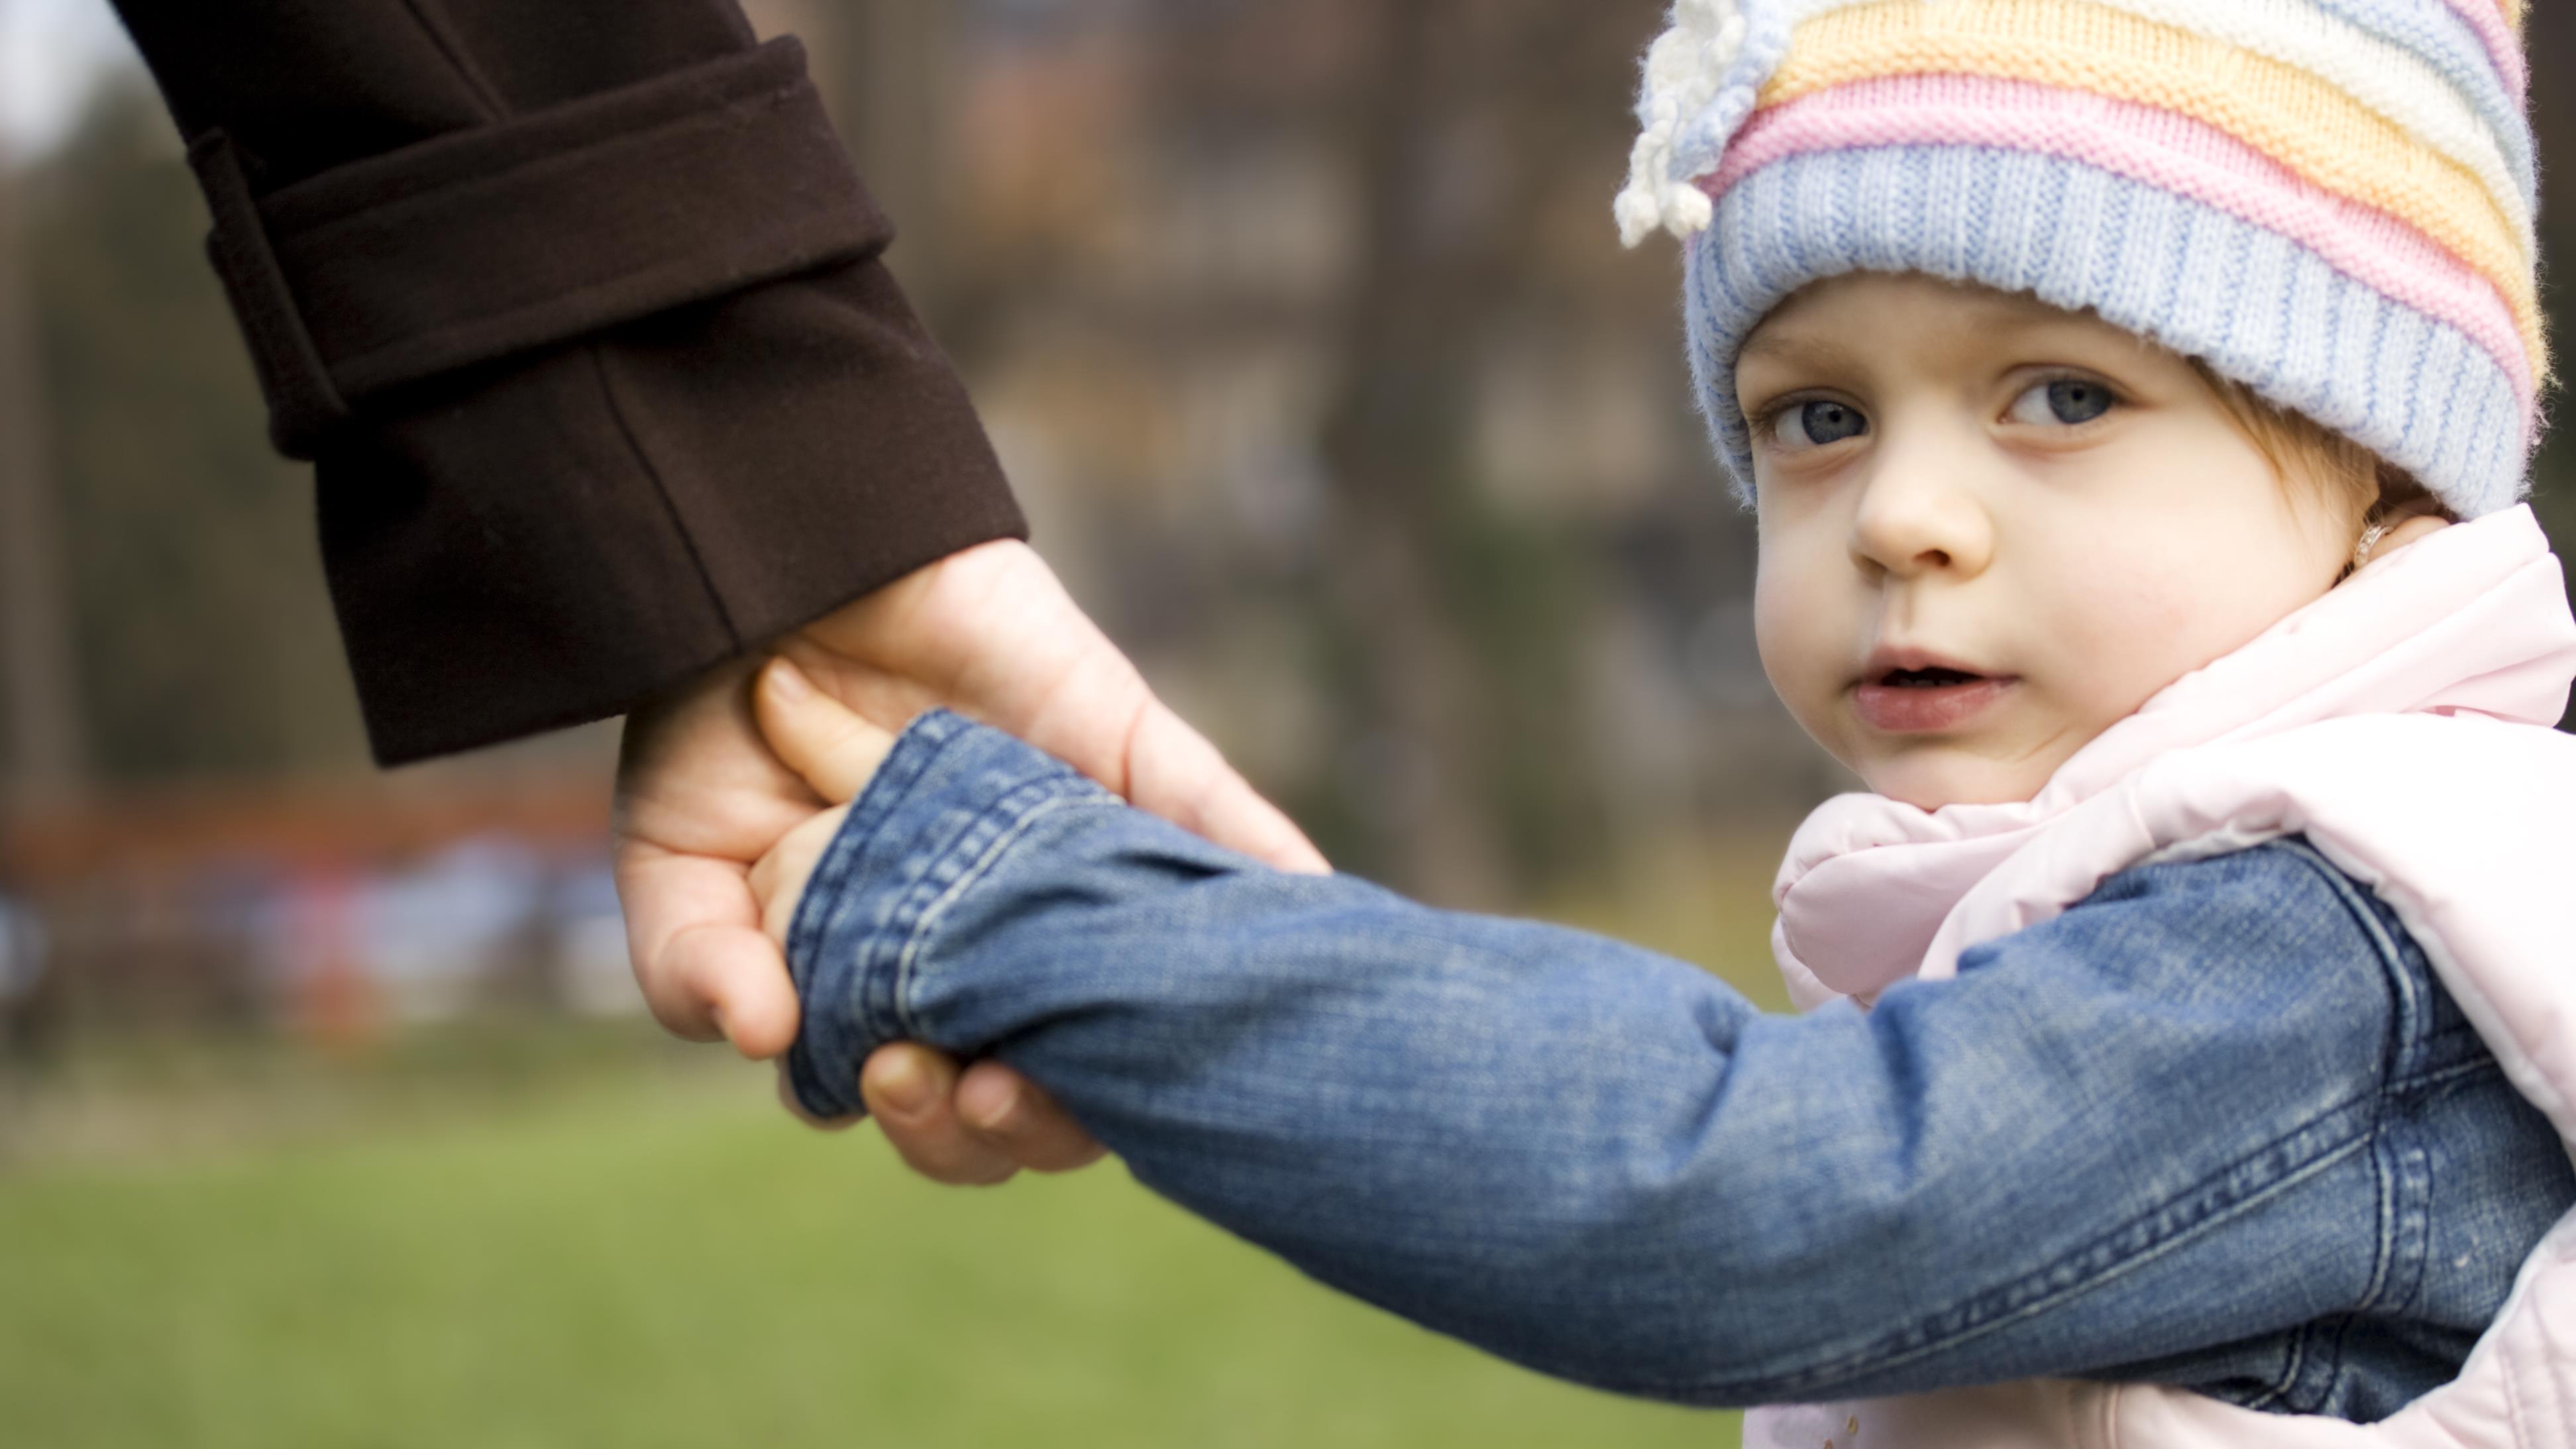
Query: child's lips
x,y
1900,709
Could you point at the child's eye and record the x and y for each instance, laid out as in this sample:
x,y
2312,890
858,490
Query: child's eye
x,y
2063,402
1803,425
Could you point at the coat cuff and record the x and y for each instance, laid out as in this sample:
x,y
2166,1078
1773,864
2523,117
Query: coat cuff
x,y
544,544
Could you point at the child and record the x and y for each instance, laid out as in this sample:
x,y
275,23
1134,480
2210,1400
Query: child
x,y
2103,374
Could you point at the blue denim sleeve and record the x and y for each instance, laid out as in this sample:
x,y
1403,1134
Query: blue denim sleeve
x,y
2102,1144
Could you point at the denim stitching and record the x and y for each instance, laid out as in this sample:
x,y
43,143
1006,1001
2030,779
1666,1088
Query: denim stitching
x,y
928,888
2385,1209
2406,1241
2425,1085
2402,1245
2291,1367
2209,1204
2415,1218
2342,1337
818,915
1000,844
877,993
2413,1025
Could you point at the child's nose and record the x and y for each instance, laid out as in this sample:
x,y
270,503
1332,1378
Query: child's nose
x,y
1915,520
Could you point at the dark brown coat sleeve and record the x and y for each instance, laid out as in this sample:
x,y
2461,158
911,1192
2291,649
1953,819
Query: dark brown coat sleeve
x,y
577,307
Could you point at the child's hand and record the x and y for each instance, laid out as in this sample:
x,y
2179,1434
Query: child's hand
x,y
990,633
837,752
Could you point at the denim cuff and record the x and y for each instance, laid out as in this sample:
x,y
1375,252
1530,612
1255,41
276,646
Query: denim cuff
x,y
948,804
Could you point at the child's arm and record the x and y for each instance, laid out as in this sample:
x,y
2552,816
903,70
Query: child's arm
x,y
1600,1162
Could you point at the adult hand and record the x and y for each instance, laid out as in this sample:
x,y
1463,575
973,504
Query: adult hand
x,y
991,634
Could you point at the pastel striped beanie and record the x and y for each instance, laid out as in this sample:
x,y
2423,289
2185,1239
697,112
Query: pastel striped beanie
x,y
2330,201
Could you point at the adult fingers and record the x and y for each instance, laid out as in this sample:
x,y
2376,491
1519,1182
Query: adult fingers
x,y
911,1091
1017,1116
991,632
1173,771
704,967
835,750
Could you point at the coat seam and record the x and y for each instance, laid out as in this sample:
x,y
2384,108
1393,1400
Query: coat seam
x,y
451,49
489,100
643,460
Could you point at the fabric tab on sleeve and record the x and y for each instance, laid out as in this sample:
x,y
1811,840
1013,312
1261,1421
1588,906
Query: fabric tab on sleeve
x,y
534,231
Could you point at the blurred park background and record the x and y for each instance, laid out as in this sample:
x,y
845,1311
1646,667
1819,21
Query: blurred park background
x,y
328,1113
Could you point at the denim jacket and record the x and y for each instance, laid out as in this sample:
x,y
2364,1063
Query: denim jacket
x,y
2218,1126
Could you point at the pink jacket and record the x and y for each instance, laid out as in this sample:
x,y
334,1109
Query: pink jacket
x,y
2402,723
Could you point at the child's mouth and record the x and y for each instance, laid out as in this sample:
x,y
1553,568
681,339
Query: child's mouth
x,y
1927,678
1925,700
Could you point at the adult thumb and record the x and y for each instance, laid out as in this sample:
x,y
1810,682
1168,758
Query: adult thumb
x,y
836,750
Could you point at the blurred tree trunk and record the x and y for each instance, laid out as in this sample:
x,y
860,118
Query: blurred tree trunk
x,y
1396,445
1471,119
888,73
45,760
893,79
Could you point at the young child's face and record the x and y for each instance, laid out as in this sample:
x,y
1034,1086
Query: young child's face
x,y
1990,529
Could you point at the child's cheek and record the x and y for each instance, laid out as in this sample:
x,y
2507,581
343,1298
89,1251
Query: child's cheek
x,y
1806,630
2128,628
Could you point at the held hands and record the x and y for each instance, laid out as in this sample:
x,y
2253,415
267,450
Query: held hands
x,y
990,633
836,752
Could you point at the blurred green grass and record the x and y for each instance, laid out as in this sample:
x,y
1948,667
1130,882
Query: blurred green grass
x,y
675,1263
538,1234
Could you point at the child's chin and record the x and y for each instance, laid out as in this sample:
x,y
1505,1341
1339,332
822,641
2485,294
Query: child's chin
x,y
1936,780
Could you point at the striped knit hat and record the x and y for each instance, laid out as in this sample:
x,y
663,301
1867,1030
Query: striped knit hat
x,y
2330,201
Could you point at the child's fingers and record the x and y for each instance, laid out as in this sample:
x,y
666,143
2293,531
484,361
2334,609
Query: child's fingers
x,y
778,878
1016,1115
835,750
911,1090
